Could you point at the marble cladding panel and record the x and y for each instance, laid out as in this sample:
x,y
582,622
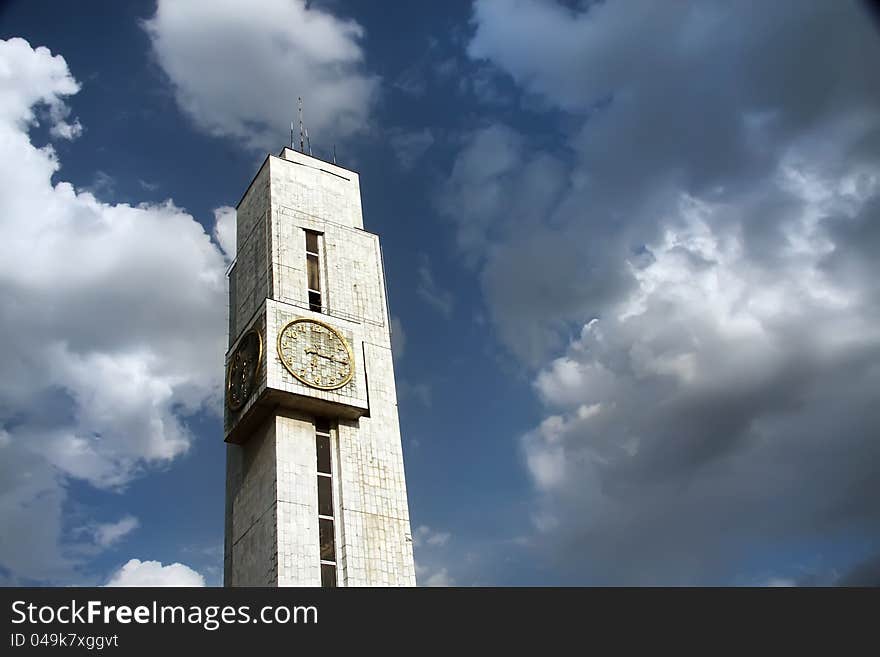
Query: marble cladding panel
x,y
316,188
352,285
251,277
378,538
252,498
298,542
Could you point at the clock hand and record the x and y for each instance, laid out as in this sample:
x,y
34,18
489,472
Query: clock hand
x,y
312,350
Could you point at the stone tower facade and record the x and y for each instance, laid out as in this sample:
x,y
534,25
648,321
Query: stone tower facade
x,y
315,488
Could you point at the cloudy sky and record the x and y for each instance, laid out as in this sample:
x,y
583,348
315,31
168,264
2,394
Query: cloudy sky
x,y
631,250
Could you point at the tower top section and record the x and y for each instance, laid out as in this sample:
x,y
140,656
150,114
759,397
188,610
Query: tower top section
x,y
292,155
303,184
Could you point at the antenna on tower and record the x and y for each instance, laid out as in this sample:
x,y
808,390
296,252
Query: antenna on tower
x,y
308,141
291,135
301,144
334,153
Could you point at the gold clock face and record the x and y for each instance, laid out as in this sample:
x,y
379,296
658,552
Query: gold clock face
x,y
316,354
242,370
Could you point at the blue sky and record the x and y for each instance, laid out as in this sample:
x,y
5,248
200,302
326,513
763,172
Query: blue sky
x,y
630,258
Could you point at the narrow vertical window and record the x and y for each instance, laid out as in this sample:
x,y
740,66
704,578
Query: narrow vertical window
x,y
326,523
313,269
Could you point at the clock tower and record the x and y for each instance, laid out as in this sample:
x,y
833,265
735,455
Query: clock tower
x,y
315,488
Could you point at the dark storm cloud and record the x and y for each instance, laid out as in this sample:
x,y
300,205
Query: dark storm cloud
x,y
715,209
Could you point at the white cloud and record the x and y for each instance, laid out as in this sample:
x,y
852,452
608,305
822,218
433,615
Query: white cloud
x,y
439,298
30,489
424,535
103,185
412,80
474,194
237,68
31,78
439,578
224,230
420,391
108,534
432,555
428,576
63,130
398,338
116,326
95,537
779,582
409,147
153,573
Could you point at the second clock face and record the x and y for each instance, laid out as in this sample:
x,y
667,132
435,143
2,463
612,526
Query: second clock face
x,y
316,354
241,377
